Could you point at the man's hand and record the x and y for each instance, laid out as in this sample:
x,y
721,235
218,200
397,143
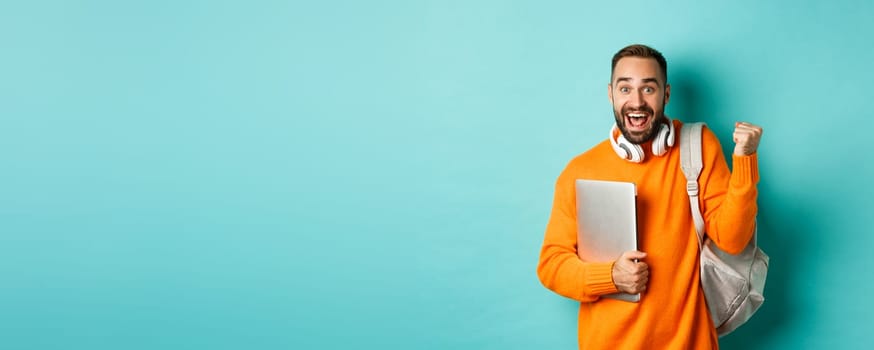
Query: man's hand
x,y
630,276
746,138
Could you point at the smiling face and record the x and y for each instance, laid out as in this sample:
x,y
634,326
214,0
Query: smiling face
x,y
639,93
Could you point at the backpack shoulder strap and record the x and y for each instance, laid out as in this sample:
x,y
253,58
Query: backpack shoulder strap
x,y
691,163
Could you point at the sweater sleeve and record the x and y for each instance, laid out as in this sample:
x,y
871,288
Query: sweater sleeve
x,y
560,269
728,198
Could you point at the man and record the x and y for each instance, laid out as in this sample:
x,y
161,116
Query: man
x,y
672,312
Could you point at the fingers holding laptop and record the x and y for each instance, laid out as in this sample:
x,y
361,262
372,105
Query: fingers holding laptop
x,y
630,275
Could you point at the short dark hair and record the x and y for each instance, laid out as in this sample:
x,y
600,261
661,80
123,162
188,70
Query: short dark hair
x,y
643,51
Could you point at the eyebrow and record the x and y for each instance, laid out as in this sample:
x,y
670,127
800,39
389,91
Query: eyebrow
x,y
645,80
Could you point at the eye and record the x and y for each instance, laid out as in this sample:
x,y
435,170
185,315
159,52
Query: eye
x,y
648,90
623,90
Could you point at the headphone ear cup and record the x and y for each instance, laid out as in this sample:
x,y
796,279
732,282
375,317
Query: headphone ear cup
x,y
635,152
664,139
624,149
670,137
621,150
659,144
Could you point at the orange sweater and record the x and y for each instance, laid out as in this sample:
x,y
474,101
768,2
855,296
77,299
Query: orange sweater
x,y
672,313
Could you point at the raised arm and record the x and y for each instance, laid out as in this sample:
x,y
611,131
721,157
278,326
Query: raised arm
x,y
729,198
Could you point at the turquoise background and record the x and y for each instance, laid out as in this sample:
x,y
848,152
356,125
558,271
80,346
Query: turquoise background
x,y
378,175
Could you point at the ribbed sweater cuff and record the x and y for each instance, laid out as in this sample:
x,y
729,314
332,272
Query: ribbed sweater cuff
x,y
599,279
745,170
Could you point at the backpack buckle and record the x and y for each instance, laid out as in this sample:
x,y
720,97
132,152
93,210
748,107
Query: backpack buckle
x,y
692,188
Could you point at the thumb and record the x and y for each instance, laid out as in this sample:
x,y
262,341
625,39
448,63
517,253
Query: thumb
x,y
634,254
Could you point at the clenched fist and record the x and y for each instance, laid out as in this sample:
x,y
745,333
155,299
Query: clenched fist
x,y
746,138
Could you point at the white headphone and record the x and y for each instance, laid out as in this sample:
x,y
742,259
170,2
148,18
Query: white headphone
x,y
634,153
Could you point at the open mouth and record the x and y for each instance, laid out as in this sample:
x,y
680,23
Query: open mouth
x,y
637,120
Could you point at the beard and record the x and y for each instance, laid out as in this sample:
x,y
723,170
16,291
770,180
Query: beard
x,y
640,137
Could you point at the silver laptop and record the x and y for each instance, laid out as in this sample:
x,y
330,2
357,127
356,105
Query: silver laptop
x,y
606,223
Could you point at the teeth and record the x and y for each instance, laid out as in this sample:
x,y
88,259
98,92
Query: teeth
x,y
636,115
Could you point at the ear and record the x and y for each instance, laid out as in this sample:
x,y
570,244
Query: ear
x,y
610,92
667,93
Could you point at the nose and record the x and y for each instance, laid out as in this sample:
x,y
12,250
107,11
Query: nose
x,y
636,99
